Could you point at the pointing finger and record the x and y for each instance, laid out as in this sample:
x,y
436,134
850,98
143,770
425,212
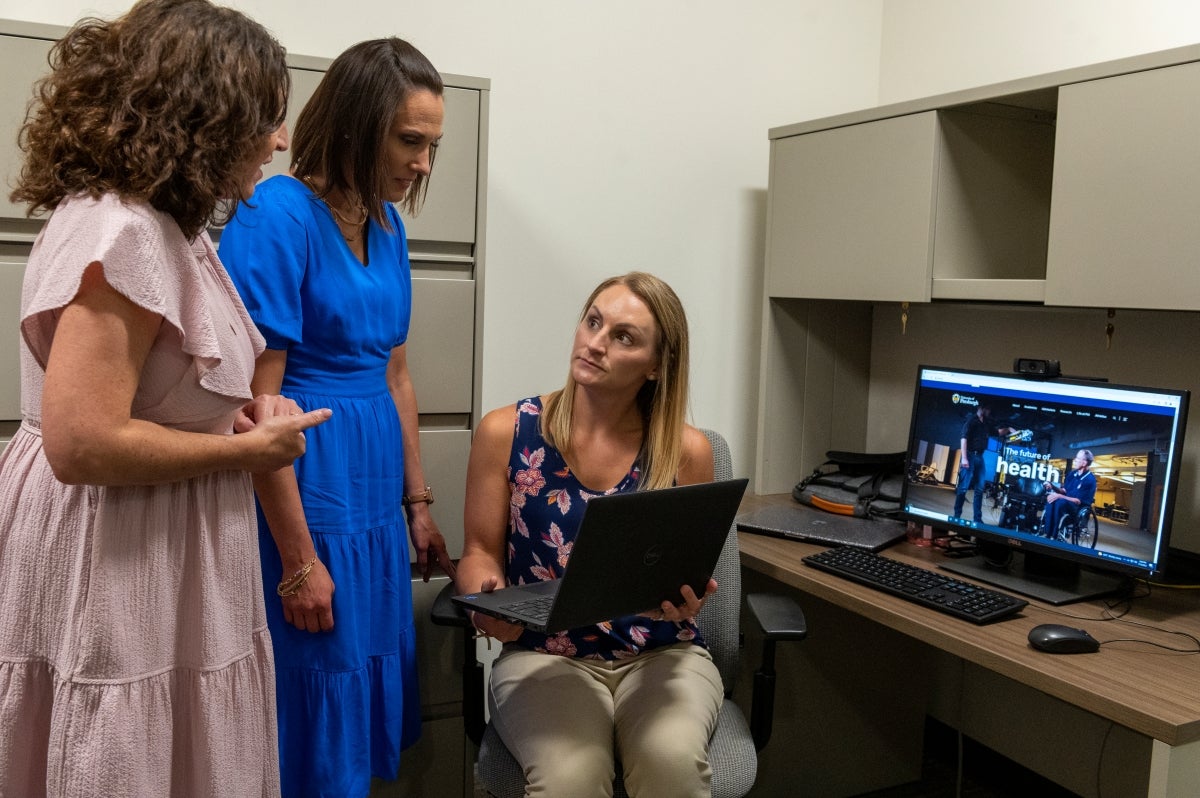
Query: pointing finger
x,y
313,417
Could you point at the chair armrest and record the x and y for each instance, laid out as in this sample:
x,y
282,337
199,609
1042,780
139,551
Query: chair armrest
x,y
445,612
779,617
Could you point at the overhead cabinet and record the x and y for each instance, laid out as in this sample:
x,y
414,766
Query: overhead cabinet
x,y
1125,220
941,203
1055,190
852,211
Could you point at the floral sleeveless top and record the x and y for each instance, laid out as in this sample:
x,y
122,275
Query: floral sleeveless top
x,y
547,503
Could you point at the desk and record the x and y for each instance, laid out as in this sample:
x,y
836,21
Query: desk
x,y
1153,695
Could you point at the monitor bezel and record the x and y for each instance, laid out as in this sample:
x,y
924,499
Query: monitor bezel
x,y
1045,548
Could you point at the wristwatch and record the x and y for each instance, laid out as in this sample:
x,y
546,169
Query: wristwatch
x,y
424,497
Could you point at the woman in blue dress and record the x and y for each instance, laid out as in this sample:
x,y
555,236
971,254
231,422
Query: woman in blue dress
x,y
321,261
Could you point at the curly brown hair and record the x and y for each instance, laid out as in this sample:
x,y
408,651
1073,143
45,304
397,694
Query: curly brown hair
x,y
168,104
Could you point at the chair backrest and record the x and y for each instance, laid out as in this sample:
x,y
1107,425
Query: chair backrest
x,y
721,613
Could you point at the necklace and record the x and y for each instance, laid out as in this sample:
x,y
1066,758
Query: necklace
x,y
362,210
339,218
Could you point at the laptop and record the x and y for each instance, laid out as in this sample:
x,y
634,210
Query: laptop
x,y
632,552
801,522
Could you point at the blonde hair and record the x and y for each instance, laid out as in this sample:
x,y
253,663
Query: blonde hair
x,y
662,402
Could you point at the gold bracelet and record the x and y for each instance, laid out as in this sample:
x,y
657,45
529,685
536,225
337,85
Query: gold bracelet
x,y
292,584
424,497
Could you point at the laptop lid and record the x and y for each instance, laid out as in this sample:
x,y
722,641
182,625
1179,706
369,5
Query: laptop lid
x,y
632,552
800,522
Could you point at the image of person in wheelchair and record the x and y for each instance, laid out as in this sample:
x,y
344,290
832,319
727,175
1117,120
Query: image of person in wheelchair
x,y
1077,491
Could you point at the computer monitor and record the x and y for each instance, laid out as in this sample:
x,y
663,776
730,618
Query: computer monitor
x,y
1073,480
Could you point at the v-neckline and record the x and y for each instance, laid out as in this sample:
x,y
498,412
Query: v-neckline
x,y
365,260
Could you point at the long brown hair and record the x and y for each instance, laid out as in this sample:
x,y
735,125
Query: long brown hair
x,y
168,104
341,132
662,402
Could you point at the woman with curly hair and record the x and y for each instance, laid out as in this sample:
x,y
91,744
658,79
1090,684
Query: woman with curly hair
x,y
135,657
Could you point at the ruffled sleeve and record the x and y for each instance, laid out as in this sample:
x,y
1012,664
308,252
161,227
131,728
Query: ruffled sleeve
x,y
147,259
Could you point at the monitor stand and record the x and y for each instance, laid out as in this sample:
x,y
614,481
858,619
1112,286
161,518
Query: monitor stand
x,y
1028,574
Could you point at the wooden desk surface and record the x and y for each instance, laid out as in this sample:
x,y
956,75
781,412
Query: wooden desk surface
x,y
1142,687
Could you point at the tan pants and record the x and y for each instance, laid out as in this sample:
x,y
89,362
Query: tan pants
x,y
563,719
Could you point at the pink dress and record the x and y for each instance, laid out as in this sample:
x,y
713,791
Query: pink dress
x,y
134,653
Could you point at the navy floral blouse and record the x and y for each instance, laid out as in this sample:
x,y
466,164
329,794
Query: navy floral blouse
x,y
547,503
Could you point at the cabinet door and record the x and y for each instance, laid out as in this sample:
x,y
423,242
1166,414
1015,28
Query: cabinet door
x,y
1126,198
12,272
444,455
449,211
851,211
22,62
441,352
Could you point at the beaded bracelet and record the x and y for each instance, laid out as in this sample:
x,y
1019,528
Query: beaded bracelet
x,y
292,584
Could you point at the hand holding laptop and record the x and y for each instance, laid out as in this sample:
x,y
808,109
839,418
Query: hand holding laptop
x,y
686,611
491,626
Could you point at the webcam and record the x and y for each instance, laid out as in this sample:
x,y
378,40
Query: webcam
x,y
1033,367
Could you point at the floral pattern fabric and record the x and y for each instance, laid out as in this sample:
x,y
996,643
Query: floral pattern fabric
x,y
545,509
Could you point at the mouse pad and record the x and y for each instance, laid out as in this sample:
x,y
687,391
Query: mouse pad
x,y
799,522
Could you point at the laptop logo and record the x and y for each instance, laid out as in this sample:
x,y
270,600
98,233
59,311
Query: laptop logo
x,y
652,555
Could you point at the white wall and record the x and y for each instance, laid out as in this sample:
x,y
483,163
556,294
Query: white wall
x,y
625,134
937,46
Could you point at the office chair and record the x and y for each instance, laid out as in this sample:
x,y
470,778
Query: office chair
x,y
734,744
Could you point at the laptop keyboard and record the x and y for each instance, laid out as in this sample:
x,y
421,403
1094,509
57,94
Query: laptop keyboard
x,y
538,608
919,585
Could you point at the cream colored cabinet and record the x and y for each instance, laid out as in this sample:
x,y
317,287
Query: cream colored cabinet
x,y
851,211
449,211
11,274
1125,216
22,62
944,204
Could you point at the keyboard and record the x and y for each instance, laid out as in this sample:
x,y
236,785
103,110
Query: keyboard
x,y
922,586
536,608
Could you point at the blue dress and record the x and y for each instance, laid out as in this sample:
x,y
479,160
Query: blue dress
x,y
545,508
347,699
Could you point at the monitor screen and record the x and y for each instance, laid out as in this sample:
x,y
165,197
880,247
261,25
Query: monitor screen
x,y
1046,475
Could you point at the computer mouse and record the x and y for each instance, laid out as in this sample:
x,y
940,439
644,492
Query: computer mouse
x,y
1058,639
